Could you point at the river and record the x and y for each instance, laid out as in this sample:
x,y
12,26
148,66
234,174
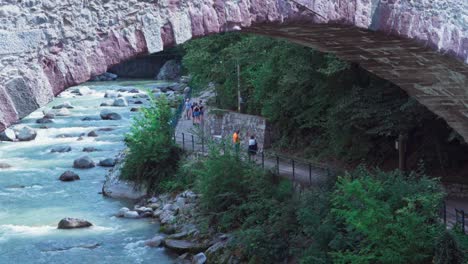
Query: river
x,y
33,200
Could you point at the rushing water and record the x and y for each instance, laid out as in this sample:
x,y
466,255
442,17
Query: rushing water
x,y
33,200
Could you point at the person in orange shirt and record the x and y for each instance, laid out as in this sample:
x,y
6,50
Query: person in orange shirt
x,y
236,140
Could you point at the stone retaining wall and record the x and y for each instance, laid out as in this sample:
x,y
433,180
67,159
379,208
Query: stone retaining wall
x,y
223,123
456,190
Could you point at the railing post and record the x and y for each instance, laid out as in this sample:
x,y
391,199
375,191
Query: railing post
x,y
193,144
463,221
310,174
445,213
277,164
263,160
293,171
183,140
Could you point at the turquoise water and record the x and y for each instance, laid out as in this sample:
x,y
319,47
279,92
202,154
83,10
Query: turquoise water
x,y
33,200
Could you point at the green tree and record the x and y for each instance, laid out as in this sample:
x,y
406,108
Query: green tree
x,y
152,154
386,217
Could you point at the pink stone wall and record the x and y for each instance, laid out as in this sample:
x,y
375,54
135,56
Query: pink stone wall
x,y
53,44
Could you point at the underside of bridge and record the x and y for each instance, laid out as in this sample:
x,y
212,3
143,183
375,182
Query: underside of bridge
x,y
422,46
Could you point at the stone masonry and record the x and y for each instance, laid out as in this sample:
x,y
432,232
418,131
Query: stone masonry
x,y
223,123
49,45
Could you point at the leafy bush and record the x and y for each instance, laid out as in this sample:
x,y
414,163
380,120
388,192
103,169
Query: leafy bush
x,y
386,217
184,178
237,195
152,156
448,249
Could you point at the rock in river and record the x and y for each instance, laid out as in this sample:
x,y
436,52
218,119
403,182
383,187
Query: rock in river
x,y
109,115
44,120
155,241
8,135
25,133
69,223
107,163
69,176
92,134
64,105
120,102
90,149
84,162
131,214
61,149
4,165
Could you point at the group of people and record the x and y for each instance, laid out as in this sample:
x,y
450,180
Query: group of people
x,y
194,110
252,147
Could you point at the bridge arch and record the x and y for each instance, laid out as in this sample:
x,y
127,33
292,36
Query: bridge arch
x,y
422,46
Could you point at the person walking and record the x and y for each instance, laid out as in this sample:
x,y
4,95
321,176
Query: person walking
x,y
188,108
202,108
253,147
192,107
236,140
196,115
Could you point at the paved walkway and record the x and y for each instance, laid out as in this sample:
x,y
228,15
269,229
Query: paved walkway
x,y
189,137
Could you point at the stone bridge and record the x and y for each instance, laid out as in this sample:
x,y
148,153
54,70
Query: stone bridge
x,y
48,45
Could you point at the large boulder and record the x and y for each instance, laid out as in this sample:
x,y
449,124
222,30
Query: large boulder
x,y
83,90
25,133
93,134
62,112
171,70
69,176
107,162
44,120
155,241
183,246
90,149
121,102
122,211
61,149
8,135
131,214
69,223
111,94
84,162
109,115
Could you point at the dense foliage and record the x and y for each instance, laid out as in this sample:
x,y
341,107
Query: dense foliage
x,y
314,99
152,154
367,216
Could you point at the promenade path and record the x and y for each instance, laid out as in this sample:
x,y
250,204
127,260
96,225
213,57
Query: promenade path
x,y
189,136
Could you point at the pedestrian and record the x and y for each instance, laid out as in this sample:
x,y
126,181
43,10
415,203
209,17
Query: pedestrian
x,y
196,114
253,147
202,109
192,107
236,140
188,108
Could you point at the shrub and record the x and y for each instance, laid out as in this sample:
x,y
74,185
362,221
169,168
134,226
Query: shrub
x,y
448,250
386,217
184,178
237,195
153,156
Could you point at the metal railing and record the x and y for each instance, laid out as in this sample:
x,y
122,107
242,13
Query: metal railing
x,y
299,171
